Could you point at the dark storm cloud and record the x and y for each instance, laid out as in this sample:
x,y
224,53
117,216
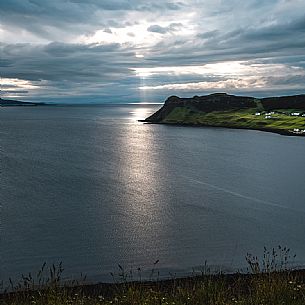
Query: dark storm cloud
x,y
31,7
14,91
276,41
289,35
64,61
56,45
70,69
38,16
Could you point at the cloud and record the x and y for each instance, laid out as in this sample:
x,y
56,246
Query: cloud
x,y
59,69
116,49
228,76
155,28
49,19
240,83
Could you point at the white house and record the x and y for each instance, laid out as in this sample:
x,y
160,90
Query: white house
x,y
257,113
295,113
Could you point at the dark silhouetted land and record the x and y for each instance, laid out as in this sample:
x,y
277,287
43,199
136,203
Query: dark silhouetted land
x,y
10,103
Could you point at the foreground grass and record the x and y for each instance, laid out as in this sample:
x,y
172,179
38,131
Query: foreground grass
x,y
238,119
274,288
270,282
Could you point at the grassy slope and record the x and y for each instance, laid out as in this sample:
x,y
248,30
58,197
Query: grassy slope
x,y
261,289
238,119
269,282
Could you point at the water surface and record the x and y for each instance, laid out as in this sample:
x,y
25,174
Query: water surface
x,y
92,187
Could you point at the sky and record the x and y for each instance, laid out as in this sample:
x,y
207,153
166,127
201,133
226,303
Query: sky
x,y
97,51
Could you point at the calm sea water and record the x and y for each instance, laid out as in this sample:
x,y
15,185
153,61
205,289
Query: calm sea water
x,y
93,188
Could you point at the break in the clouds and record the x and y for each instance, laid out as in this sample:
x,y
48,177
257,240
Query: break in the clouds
x,y
136,50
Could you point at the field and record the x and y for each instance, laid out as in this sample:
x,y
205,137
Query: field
x,y
279,120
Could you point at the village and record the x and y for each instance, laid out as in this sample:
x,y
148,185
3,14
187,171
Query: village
x,y
272,115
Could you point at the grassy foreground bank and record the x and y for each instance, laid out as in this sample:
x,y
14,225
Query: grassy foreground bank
x,y
268,282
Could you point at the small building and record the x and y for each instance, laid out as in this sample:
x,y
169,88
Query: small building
x,y
257,113
296,130
295,113
268,117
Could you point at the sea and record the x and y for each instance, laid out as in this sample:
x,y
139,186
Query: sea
x,y
92,187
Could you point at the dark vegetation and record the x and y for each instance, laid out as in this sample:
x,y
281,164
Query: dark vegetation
x,y
269,281
284,102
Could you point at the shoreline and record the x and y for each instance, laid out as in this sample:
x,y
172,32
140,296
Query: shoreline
x,y
277,131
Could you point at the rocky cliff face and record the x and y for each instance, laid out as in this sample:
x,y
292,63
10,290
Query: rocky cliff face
x,y
206,103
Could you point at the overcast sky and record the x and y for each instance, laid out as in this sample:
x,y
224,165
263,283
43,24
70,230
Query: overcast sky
x,y
143,51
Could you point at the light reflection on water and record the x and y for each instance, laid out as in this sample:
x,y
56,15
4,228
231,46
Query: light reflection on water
x,y
141,186
140,113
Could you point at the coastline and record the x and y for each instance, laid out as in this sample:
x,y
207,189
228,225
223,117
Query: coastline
x,y
284,115
15,103
277,131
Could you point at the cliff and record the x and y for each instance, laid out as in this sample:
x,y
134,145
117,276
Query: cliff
x,y
285,115
226,102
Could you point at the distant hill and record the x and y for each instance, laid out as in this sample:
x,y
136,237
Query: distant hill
x,y
285,114
6,103
284,102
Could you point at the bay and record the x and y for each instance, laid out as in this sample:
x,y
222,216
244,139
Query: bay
x,y
92,187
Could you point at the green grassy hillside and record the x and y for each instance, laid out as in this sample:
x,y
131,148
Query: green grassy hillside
x,y
238,119
235,112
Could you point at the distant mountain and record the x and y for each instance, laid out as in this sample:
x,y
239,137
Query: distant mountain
x,y
6,103
285,114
